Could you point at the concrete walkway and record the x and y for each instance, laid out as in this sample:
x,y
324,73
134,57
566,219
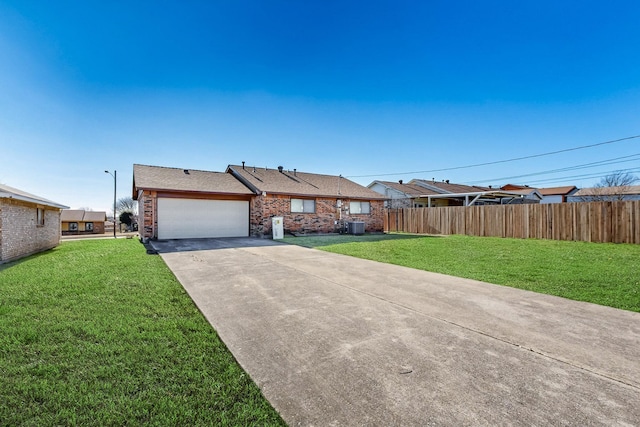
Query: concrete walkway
x,y
333,340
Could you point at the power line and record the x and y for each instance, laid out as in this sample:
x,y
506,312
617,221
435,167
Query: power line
x,y
499,161
616,160
584,176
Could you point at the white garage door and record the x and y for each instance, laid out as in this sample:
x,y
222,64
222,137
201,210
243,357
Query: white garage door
x,y
195,218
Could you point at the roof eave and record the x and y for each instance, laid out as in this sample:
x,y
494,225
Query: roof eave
x,y
49,203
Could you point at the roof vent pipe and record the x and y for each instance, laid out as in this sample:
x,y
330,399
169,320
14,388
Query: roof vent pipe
x,y
280,168
186,171
400,181
243,165
294,172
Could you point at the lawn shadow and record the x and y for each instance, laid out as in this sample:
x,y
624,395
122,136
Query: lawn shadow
x,y
9,264
315,241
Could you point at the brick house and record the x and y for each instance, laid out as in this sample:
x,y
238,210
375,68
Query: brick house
x,y
28,224
181,203
308,202
77,221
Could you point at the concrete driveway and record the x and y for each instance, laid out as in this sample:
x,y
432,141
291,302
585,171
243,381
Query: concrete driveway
x,y
334,340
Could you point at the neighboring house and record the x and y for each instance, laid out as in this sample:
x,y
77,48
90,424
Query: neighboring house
x,y
182,203
557,194
401,195
606,194
424,193
76,221
308,202
28,224
523,194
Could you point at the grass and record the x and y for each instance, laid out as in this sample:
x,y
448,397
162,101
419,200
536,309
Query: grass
x,y
600,273
100,333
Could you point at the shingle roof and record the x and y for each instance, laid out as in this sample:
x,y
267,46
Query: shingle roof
x,y
175,179
608,191
95,216
76,215
301,183
14,193
553,191
73,215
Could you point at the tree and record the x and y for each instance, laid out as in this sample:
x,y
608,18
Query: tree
x,y
127,204
618,179
612,187
126,218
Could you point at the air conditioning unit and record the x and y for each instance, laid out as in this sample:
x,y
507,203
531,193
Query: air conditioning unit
x,y
355,227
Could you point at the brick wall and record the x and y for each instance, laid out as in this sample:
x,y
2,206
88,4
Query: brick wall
x,y
147,225
19,233
263,208
323,220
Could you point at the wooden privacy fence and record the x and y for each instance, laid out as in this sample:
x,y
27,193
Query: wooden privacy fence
x,y
616,222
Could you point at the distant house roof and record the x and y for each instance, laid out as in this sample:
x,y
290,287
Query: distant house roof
x,y
557,191
188,180
79,215
71,215
608,191
410,190
95,216
446,187
298,183
7,192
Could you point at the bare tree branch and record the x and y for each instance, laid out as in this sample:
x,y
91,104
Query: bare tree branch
x,y
127,204
612,187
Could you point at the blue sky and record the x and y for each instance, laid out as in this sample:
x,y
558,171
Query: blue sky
x,y
370,90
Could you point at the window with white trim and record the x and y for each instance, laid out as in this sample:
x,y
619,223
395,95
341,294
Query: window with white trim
x,y
303,205
356,208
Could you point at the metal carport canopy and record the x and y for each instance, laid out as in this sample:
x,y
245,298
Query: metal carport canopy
x,y
476,196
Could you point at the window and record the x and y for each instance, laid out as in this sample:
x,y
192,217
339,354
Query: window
x,y
88,226
40,217
73,226
303,205
359,208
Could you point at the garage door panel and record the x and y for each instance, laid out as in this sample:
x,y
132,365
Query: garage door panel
x,y
198,218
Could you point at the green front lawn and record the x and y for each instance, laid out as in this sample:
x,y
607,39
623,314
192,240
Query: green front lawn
x,y
601,273
97,332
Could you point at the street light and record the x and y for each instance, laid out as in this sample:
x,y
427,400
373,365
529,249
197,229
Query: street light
x,y
114,175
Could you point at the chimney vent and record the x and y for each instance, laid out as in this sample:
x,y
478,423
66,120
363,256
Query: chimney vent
x,y
280,168
400,181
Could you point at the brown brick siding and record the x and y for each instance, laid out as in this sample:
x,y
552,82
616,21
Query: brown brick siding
x,y
147,205
20,235
263,208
